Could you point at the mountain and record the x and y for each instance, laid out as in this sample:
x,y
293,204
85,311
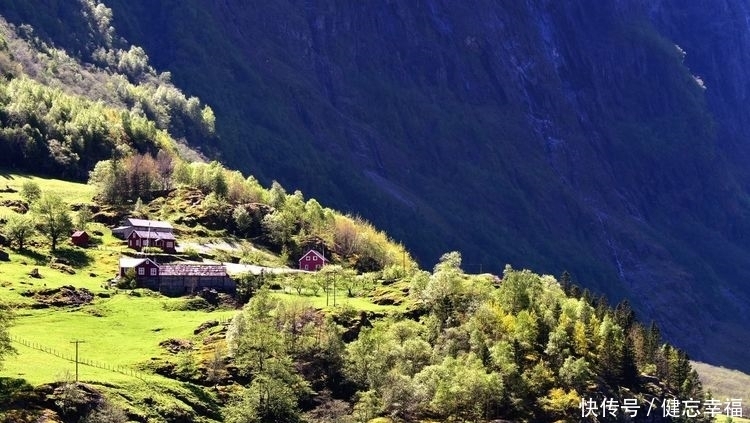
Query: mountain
x,y
602,137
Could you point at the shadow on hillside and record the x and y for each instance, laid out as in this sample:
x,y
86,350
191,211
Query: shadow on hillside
x,y
39,258
11,389
73,257
210,407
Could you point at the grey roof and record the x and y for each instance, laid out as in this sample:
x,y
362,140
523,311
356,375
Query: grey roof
x,y
78,233
156,224
193,269
154,235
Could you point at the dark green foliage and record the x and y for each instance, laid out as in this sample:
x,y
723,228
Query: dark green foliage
x,y
127,281
6,320
248,284
72,114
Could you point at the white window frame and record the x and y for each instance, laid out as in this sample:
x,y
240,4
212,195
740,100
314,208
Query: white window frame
x,y
153,271
141,271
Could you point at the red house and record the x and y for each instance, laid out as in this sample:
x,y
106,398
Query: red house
x,y
144,268
164,240
80,238
312,260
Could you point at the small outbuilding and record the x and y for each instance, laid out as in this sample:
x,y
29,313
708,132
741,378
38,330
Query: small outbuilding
x,y
80,238
312,260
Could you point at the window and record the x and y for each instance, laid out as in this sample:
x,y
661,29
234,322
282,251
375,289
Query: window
x,y
307,258
141,271
153,271
169,244
305,267
137,242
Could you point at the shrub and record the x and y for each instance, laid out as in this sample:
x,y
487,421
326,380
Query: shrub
x,y
190,304
151,250
192,253
127,281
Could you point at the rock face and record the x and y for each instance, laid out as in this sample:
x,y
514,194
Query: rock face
x,y
602,137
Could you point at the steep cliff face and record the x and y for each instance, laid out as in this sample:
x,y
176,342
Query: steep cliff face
x,y
553,135
542,134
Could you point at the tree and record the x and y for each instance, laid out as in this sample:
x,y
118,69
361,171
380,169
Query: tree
x,y
268,399
165,166
30,191
346,237
108,177
6,320
460,388
53,218
141,175
19,228
276,195
242,219
83,218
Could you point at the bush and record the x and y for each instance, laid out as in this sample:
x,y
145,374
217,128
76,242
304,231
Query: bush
x,y
192,253
190,304
128,280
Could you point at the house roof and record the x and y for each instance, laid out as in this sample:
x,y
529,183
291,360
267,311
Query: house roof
x,y
193,269
128,262
154,235
156,224
314,252
76,234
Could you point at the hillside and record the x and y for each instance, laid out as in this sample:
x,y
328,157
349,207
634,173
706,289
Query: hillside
x,y
455,345
519,151
604,138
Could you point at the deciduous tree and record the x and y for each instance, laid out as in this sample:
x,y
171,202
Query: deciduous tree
x,y
53,218
30,191
19,228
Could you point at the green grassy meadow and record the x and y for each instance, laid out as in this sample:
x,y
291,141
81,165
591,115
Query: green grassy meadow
x,y
72,191
119,329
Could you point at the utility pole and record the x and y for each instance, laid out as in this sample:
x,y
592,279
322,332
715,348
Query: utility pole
x,y
77,341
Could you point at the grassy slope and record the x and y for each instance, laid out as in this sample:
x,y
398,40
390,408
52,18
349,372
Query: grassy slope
x,y
124,331
119,330
725,383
